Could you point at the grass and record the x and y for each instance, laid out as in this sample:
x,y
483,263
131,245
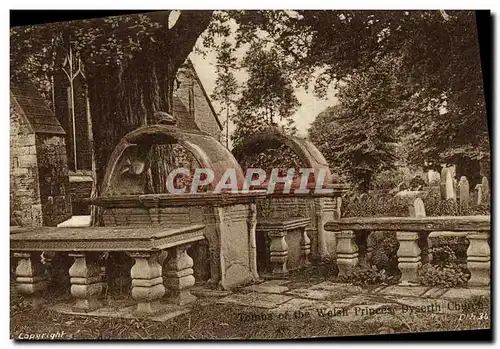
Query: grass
x,y
223,321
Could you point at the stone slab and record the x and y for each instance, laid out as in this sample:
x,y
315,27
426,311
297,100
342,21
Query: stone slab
x,y
337,287
463,293
415,291
266,287
164,312
359,299
278,282
309,294
254,299
75,222
200,291
434,292
302,304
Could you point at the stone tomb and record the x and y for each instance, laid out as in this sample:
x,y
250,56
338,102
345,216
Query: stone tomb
x,y
318,208
85,245
229,219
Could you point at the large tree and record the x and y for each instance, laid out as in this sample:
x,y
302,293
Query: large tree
x,y
435,63
352,135
130,65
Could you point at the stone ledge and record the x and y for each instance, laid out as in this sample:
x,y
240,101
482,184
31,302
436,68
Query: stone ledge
x,y
165,311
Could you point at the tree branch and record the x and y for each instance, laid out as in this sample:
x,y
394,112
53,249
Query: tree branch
x,y
183,35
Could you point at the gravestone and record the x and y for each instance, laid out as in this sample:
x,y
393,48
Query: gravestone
x,y
433,177
442,182
485,187
419,207
449,187
479,194
464,192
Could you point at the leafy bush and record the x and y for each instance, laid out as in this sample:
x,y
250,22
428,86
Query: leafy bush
x,y
445,268
363,276
371,206
390,179
383,253
417,182
449,275
389,205
449,249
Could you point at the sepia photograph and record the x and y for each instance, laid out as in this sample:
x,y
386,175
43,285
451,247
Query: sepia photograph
x,y
249,174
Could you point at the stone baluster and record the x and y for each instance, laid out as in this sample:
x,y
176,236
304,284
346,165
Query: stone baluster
x,y
478,259
347,251
29,275
147,282
278,252
86,284
305,247
408,257
423,239
179,275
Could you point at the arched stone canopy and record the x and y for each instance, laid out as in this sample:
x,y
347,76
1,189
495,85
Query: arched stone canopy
x,y
127,167
308,154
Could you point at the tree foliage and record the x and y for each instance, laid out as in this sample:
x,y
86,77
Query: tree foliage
x,y
268,96
433,57
226,86
413,71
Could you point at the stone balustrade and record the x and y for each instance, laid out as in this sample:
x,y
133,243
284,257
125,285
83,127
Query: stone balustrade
x,y
413,236
85,245
287,245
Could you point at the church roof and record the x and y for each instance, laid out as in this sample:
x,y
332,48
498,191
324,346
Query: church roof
x,y
38,117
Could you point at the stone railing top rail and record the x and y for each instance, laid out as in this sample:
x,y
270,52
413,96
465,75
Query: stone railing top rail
x,y
441,223
147,238
337,189
286,224
195,199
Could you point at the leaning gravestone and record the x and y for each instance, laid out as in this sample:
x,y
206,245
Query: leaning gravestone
x,y
464,192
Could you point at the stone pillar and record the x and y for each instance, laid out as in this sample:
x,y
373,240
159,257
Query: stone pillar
x,y
278,252
29,275
252,240
305,247
408,257
86,284
179,275
478,259
347,251
147,282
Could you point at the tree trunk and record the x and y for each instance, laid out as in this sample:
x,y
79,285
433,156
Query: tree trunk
x,y
125,98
